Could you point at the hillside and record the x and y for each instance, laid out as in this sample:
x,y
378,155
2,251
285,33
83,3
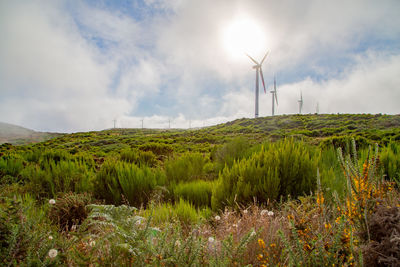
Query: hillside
x,y
239,186
315,129
18,135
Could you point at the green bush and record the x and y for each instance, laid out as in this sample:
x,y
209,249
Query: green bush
x,y
280,169
58,176
231,151
139,157
118,181
390,159
11,166
197,192
188,167
157,148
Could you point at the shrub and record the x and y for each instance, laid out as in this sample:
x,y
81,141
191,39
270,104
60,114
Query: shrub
x,y
231,151
118,181
197,192
11,166
139,157
188,167
157,148
279,169
390,159
69,209
58,176
24,234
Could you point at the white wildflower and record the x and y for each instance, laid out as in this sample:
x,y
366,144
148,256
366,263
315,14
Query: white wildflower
x,y
270,213
245,211
92,243
217,218
263,212
235,225
211,239
53,253
52,202
177,243
253,233
50,237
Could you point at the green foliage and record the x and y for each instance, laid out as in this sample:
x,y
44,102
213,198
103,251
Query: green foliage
x,y
157,148
230,152
344,142
24,232
196,192
119,181
390,159
58,176
10,168
139,157
181,210
128,236
280,169
188,167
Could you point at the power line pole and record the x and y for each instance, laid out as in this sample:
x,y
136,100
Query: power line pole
x,y
115,122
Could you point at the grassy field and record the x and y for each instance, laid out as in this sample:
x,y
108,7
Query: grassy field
x,y
291,190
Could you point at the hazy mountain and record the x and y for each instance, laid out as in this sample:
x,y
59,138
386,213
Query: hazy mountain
x,y
18,135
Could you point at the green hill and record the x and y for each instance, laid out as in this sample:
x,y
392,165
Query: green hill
x,y
315,129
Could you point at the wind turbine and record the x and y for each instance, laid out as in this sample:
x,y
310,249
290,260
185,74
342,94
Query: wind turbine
x,y
274,97
300,102
258,69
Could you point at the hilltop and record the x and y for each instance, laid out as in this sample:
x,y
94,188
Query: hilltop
x,y
315,129
17,135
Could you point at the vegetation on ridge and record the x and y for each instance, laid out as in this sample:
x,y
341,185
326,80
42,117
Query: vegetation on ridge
x,y
300,190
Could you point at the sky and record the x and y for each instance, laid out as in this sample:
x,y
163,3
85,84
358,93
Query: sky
x,y
69,66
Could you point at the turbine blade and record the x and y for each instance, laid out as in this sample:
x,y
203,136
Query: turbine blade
x,y
264,58
262,79
252,59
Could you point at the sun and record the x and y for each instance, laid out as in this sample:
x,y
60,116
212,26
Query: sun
x,y
243,35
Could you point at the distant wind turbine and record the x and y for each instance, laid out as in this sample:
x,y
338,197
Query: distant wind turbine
x,y
300,102
258,69
274,97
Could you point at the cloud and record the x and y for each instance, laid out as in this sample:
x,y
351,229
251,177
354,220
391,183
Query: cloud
x,y
77,67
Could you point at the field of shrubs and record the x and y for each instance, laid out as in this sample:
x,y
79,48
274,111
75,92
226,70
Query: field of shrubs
x,y
300,190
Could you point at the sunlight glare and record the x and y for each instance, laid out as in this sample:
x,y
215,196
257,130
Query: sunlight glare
x,y
243,35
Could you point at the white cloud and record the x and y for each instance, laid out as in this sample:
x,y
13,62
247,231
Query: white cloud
x,y
79,68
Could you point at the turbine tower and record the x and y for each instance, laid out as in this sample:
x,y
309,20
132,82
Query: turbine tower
x,y
274,97
258,69
300,102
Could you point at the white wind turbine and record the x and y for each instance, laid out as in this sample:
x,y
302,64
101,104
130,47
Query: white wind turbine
x,y
274,97
300,102
258,69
